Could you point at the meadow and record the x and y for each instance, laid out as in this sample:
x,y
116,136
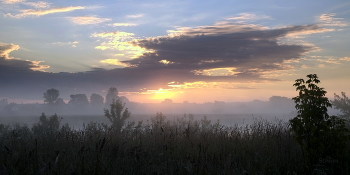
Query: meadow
x,y
78,121
158,145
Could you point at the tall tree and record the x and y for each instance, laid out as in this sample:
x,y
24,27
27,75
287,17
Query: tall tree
x,y
60,101
79,100
51,96
124,99
117,114
112,94
96,100
320,136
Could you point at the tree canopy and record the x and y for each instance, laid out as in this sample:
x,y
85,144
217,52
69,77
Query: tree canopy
x,y
96,100
51,96
342,103
117,114
112,94
319,135
79,100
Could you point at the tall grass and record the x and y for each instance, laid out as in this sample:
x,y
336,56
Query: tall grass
x,y
180,145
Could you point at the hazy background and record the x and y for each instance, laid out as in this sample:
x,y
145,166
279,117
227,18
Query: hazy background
x,y
207,57
77,115
232,51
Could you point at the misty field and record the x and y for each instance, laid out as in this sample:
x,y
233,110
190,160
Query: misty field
x,y
158,145
78,121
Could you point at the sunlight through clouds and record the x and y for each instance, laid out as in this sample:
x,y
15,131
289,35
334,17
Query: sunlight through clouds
x,y
120,41
329,60
135,16
73,44
311,30
38,67
114,35
114,62
168,47
5,50
345,59
218,28
123,24
160,94
32,12
331,20
40,4
5,59
12,1
165,62
217,72
84,20
248,16
211,85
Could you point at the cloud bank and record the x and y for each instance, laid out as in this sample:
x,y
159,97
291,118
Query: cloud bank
x,y
224,52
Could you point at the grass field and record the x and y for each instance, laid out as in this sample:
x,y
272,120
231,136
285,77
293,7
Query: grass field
x,y
185,144
77,121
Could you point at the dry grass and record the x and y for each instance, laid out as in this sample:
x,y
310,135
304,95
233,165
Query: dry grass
x,y
159,146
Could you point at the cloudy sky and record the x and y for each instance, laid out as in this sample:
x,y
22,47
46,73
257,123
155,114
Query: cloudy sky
x,y
199,51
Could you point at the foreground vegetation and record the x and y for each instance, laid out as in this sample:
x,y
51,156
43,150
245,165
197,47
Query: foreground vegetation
x,y
311,143
177,146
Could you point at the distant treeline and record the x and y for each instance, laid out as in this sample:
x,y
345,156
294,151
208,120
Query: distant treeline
x,y
313,142
79,104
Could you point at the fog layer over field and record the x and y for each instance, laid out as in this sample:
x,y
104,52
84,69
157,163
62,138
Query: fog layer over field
x,y
227,113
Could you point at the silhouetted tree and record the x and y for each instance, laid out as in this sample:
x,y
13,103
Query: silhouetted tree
x,y
124,99
342,103
320,136
278,100
51,96
47,125
281,102
96,100
112,94
117,115
79,100
60,101
167,101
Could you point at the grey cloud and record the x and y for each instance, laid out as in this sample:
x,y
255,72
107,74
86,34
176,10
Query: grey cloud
x,y
250,50
217,47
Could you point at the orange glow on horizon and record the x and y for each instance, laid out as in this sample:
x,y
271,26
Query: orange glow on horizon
x,y
162,94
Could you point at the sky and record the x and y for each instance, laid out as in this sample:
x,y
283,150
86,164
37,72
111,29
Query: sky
x,y
195,51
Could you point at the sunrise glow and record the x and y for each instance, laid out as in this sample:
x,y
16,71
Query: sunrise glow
x,y
220,51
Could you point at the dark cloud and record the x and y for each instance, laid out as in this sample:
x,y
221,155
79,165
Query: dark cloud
x,y
249,50
217,47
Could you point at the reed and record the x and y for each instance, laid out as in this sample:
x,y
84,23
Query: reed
x,y
180,145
